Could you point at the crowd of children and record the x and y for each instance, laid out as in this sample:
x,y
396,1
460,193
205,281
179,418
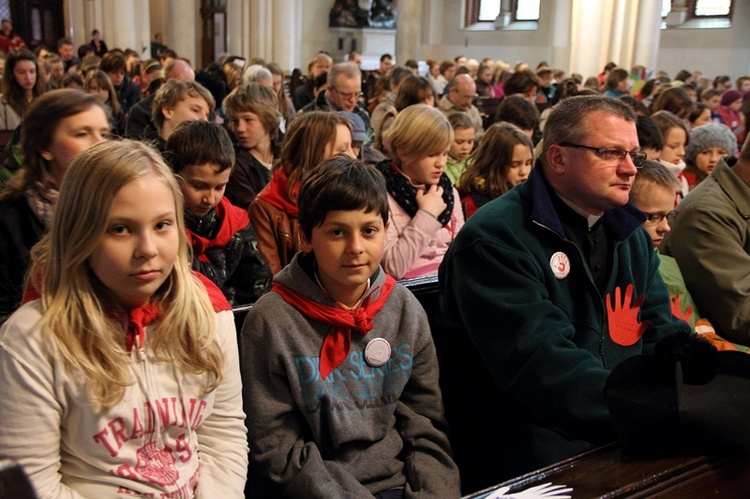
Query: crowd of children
x,y
120,262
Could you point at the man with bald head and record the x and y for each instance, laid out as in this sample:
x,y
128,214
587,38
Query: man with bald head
x,y
140,125
460,98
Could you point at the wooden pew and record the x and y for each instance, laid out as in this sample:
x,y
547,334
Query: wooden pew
x,y
613,472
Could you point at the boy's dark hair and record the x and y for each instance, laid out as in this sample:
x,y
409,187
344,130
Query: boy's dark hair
x,y
518,110
638,106
649,135
340,183
199,143
64,41
112,63
84,50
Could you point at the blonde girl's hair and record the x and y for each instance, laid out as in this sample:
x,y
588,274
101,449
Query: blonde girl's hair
x,y
487,170
305,142
82,321
419,130
104,81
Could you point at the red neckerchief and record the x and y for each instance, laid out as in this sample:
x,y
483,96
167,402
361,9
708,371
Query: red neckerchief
x,y
277,192
232,219
138,319
338,341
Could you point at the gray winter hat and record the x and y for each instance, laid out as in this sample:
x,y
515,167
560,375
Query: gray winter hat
x,y
710,135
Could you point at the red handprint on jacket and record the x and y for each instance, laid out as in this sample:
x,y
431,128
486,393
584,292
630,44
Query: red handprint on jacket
x,y
624,328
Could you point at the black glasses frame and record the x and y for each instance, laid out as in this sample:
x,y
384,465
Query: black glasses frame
x,y
638,157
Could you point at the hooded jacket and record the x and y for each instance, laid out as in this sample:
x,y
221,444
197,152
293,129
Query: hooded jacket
x,y
363,429
166,436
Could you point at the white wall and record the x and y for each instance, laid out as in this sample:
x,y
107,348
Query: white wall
x,y
715,51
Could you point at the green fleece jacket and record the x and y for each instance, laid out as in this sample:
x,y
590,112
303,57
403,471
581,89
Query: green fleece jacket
x,y
542,341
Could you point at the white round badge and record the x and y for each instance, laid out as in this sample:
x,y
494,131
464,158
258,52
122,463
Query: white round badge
x,y
377,352
560,265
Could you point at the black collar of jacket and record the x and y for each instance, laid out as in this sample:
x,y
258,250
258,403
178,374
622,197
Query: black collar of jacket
x,y
621,221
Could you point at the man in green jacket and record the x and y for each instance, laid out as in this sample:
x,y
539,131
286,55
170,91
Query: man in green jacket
x,y
543,292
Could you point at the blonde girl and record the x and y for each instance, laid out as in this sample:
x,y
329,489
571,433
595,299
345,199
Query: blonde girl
x,y
311,138
425,211
123,378
503,160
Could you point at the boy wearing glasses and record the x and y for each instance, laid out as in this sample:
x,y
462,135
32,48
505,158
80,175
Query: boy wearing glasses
x,y
543,292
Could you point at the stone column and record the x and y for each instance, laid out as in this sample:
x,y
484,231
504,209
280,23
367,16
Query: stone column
x,y
589,26
285,37
560,36
648,33
408,30
123,30
184,31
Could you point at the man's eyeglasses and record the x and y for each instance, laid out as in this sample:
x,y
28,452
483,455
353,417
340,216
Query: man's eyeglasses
x,y
656,218
350,95
612,153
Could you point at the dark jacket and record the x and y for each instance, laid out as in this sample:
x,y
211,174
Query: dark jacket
x,y
128,93
248,177
20,229
140,125
528,352
235,265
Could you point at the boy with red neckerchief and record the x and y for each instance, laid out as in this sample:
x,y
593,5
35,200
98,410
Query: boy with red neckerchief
x,y
225,245
339,369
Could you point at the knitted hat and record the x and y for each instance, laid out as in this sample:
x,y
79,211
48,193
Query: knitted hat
x,y
710,135
730,96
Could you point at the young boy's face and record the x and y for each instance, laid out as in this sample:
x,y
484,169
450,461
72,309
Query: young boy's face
x,y
713,102
348,248
674,145
706,160
463,142
191,108
659,201
203,187
249,130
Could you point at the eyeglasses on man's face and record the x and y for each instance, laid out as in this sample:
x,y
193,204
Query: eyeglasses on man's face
x,y
348,95
612,153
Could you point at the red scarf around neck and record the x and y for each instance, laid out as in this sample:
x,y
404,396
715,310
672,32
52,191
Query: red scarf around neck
x,y
337,342
232,220
138,319
277,192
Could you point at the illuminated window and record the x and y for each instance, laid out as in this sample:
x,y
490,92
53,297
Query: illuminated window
x,y
712,8
699,9
483,11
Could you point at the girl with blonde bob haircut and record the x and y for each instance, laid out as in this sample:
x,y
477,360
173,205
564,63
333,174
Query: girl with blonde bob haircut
x,y
425,212
138,397
503,160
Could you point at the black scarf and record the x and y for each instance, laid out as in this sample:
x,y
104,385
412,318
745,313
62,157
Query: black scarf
x,y
405,194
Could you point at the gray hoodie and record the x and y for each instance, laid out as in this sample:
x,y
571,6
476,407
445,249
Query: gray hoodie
x,y
363,429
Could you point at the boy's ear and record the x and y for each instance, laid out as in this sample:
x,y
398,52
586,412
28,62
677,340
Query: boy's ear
x,y
304,244
167,112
